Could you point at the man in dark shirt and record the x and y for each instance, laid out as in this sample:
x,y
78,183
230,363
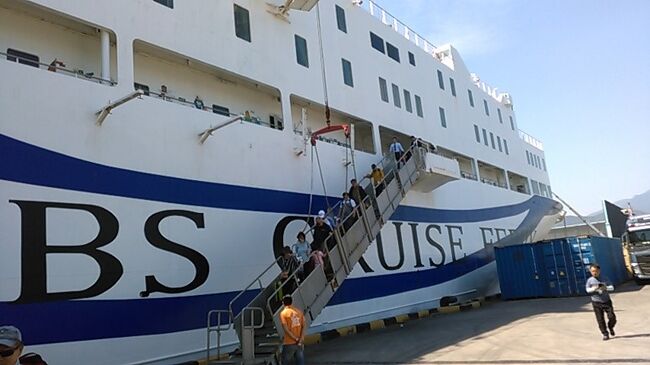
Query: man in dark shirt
x,y
597,286
356,192
288,264
321,233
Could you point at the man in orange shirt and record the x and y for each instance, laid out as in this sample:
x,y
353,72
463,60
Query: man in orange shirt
x,y
293,324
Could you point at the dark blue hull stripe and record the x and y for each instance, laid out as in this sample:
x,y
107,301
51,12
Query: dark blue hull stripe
x,y
81,320
25,163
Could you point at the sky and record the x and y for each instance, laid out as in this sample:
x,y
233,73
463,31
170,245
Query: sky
x,y
579,75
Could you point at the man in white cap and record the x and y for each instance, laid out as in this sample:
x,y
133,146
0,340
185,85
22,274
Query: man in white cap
x,y
11,345
327,219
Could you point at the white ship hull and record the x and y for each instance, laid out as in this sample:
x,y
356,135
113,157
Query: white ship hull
x,y
117,239
427,252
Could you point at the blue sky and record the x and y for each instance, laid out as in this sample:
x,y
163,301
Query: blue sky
x,y
579,74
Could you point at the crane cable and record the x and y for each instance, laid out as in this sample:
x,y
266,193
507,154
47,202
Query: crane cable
x,y
322,65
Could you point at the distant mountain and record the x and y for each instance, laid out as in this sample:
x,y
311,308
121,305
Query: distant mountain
x,y
640,204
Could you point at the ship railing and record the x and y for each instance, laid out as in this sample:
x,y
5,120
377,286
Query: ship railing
x,y
199,105
56,67
385,17
468,175
531,140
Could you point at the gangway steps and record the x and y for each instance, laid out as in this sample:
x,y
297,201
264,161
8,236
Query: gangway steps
x,y
258,325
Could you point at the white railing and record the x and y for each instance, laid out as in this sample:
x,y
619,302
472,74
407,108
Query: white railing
x,y
59,67
385,17
531,140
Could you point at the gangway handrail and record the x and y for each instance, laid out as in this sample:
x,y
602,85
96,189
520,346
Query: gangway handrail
x,y
256,280
390,158
218,329
383,162
362,224
292,278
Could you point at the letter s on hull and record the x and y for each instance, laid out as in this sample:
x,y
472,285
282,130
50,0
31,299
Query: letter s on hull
x,y
153,235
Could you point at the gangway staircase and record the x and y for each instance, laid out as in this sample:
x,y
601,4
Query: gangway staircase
x,y
258,325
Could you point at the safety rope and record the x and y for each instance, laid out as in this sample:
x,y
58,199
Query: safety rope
x,y
311,190
347,164
322,179
322,65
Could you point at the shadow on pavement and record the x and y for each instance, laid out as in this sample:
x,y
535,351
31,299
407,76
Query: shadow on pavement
x,y
418,338
633,336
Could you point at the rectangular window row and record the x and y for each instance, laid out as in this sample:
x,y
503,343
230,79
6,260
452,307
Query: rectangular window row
x,y
397,100
535,160
302,58
386,48
496,142
541,189
441,83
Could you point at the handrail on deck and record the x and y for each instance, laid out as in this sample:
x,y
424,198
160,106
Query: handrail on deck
x,y
531,140
55,67
387,18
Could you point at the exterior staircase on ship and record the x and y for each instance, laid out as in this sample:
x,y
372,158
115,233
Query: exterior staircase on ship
x,y
258,325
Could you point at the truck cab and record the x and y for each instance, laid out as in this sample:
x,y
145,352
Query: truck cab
x,y
637,240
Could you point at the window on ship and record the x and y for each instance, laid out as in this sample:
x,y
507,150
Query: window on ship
x,y
242,23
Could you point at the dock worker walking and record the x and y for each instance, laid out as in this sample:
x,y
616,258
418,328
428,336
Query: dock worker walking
x,y
599,289
293,324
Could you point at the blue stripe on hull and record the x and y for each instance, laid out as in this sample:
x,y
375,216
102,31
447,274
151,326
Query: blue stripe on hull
x,y
25,163
81,320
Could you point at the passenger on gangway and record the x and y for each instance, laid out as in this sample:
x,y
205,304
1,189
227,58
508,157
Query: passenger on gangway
x,y
321,233
377,175
327,219
317,255
397,149
301,248
356,192
288,264
347,208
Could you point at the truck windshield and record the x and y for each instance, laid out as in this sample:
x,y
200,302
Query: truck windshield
x,y
640,237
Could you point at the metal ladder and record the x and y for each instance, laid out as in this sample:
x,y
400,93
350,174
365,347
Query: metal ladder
x,y
258,323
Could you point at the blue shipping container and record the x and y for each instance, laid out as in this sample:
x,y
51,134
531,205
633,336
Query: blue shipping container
x,y
557,268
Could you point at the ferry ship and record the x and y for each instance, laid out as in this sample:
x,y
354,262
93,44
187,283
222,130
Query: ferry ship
x,y
156,156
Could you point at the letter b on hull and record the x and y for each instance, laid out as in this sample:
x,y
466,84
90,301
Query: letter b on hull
x,y
35,250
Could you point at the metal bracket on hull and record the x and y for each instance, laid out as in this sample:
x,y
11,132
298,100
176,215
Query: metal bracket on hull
x,y
103,113
282,11
203,136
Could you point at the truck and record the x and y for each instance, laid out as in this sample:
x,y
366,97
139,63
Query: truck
x,y
637,241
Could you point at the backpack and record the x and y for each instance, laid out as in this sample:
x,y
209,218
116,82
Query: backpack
x,y
31,359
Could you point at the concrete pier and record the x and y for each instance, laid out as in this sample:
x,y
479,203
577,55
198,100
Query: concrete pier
x,y
539,331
